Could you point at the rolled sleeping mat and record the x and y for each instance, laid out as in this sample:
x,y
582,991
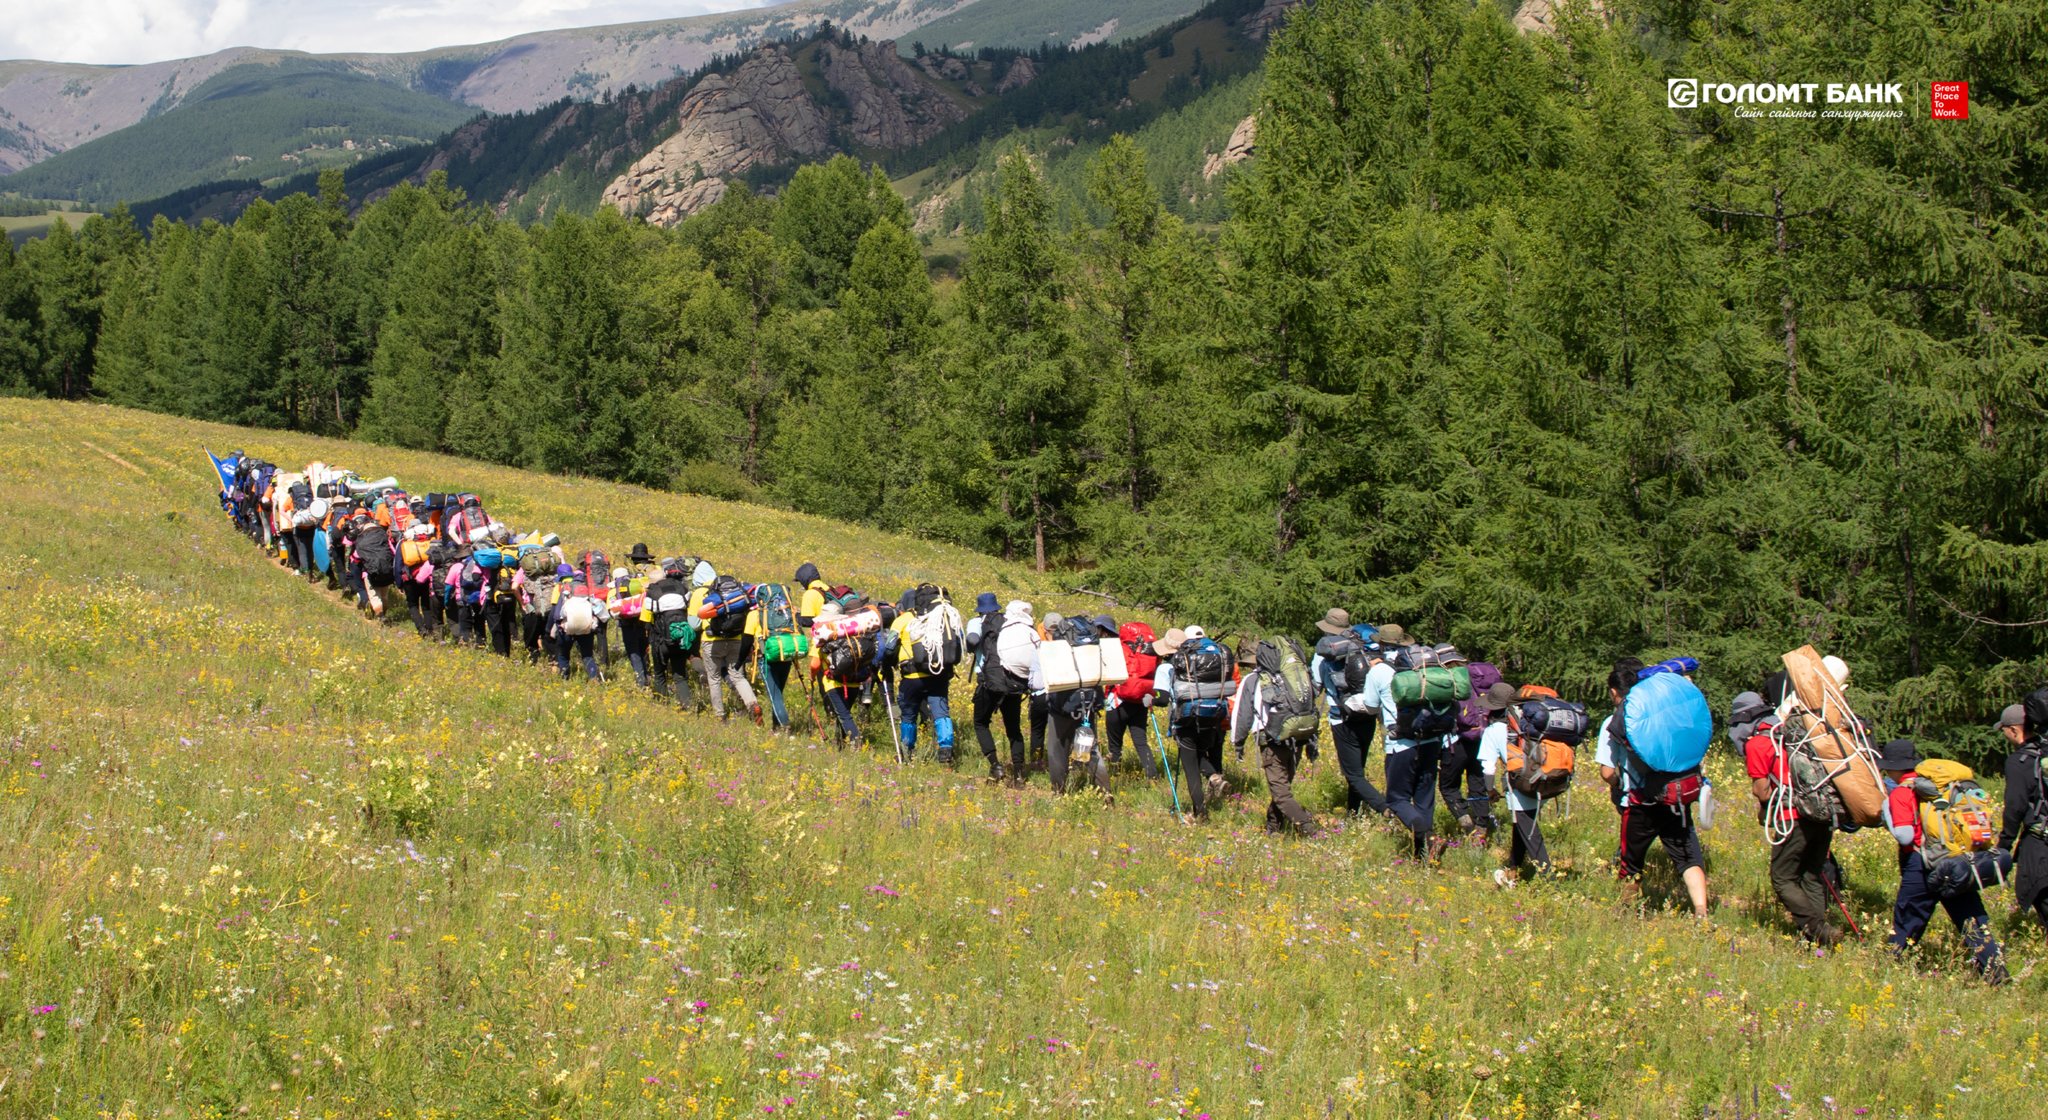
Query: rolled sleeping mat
x,y
1837,738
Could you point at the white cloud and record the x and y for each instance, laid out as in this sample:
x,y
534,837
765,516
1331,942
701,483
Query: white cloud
x,y
130,31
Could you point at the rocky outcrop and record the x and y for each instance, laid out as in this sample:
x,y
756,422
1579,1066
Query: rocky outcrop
x,y
758,114
1541,15
762,114
889,104
1262,23
1242,143
1022,72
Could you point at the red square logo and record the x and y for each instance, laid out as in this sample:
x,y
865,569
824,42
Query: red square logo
x,y
1951,101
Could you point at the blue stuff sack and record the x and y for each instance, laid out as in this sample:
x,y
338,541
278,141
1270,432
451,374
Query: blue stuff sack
x,y
1668,723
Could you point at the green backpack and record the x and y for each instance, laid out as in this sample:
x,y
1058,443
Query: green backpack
x,y
1432,685
1288,693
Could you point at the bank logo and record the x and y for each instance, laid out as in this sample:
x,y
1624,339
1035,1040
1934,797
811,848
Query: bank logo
x,y
1682,93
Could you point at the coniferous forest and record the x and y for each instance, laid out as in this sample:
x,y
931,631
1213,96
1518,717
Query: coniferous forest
x,y
1494,343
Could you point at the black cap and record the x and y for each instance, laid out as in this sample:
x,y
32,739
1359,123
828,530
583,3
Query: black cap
x,y
1899,754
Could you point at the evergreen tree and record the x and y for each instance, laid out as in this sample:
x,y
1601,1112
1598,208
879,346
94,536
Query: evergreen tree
x,y
1023,360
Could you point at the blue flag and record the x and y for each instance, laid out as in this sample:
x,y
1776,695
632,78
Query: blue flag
x,y
225,468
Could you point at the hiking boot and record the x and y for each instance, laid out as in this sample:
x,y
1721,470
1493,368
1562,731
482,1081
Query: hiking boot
x,y
1217,786
946,758
1505,879
995,770
1435,848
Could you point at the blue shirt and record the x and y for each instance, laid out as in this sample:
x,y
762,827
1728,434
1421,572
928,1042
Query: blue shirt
x,y
1379,695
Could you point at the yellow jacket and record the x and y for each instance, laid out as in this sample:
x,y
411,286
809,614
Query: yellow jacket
x,y
704,624
812,600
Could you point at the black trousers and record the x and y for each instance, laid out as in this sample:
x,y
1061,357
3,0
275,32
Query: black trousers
x,y
987,704
1462,783
1128,717
1200,740
1353,738
1527,845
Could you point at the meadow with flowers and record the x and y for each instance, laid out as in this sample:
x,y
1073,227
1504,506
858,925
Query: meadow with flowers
x,y
260,856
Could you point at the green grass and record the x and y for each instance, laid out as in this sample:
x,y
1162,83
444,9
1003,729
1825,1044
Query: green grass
x,y
1214,38
264,857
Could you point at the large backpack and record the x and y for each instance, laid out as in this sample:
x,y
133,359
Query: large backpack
x,y
935,634
594,574
1139,661
537,564
1288,692
783,640
373,555
852,659
848,599
995,676
469,524
1960,818
1346,661
540,593
1544,732
581,613
301,494
1472,714
1201,679
1661,734
673,627
726,603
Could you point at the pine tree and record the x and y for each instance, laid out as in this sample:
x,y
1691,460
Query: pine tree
x,y
1023,360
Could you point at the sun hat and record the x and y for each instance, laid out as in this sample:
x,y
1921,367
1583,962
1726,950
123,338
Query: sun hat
x,y
1336,620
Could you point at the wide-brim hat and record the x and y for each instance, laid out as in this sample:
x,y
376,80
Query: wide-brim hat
x,y
1170,644
1391,634
1899,754
640,555
1498,695
985,603
1248,652
1105,624
1336,620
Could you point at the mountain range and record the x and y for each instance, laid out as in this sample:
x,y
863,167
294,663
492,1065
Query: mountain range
x,y
47,108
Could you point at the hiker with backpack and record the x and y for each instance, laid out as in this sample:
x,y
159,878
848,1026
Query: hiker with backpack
x,y
1461,780
810,590
1349,664
535,582
1193,683
2023,828
630,593
1909,798
671,630
573,621
1655,802
1130,703
783,643
721,604
1070,704
1006,645
1525,839
930,640
1798,807
844,656
1277,703
1417,702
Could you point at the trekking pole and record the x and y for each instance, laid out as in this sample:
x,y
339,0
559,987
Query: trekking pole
x,y
889,706
1171,786
1842,906
810,710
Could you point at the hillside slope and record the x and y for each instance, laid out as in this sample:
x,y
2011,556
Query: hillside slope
x,y
259,851
50,107
262,122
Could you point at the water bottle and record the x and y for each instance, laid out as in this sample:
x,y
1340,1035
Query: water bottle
x,y
1084,743
1706,810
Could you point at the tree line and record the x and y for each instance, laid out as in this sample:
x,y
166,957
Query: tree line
x,y
1494,344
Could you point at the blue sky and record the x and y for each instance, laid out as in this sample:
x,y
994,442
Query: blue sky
x,y
152,30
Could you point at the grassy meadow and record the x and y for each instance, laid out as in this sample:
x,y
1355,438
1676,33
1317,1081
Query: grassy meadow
x,y
259,856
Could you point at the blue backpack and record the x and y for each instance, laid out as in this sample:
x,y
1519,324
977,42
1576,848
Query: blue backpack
x,y
1201,680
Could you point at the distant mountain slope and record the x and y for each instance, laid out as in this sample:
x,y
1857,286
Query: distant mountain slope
x,y
256,121
1072,23
669,151
50,107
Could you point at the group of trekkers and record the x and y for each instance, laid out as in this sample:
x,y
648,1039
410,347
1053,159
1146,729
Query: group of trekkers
x,y
1079,689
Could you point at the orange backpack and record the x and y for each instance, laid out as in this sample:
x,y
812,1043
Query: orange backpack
x,y
1537,767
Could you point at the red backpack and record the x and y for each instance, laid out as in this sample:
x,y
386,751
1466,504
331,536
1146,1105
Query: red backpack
x,y
1139,660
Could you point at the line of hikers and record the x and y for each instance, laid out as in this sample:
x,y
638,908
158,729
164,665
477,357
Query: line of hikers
x,y
1447,725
